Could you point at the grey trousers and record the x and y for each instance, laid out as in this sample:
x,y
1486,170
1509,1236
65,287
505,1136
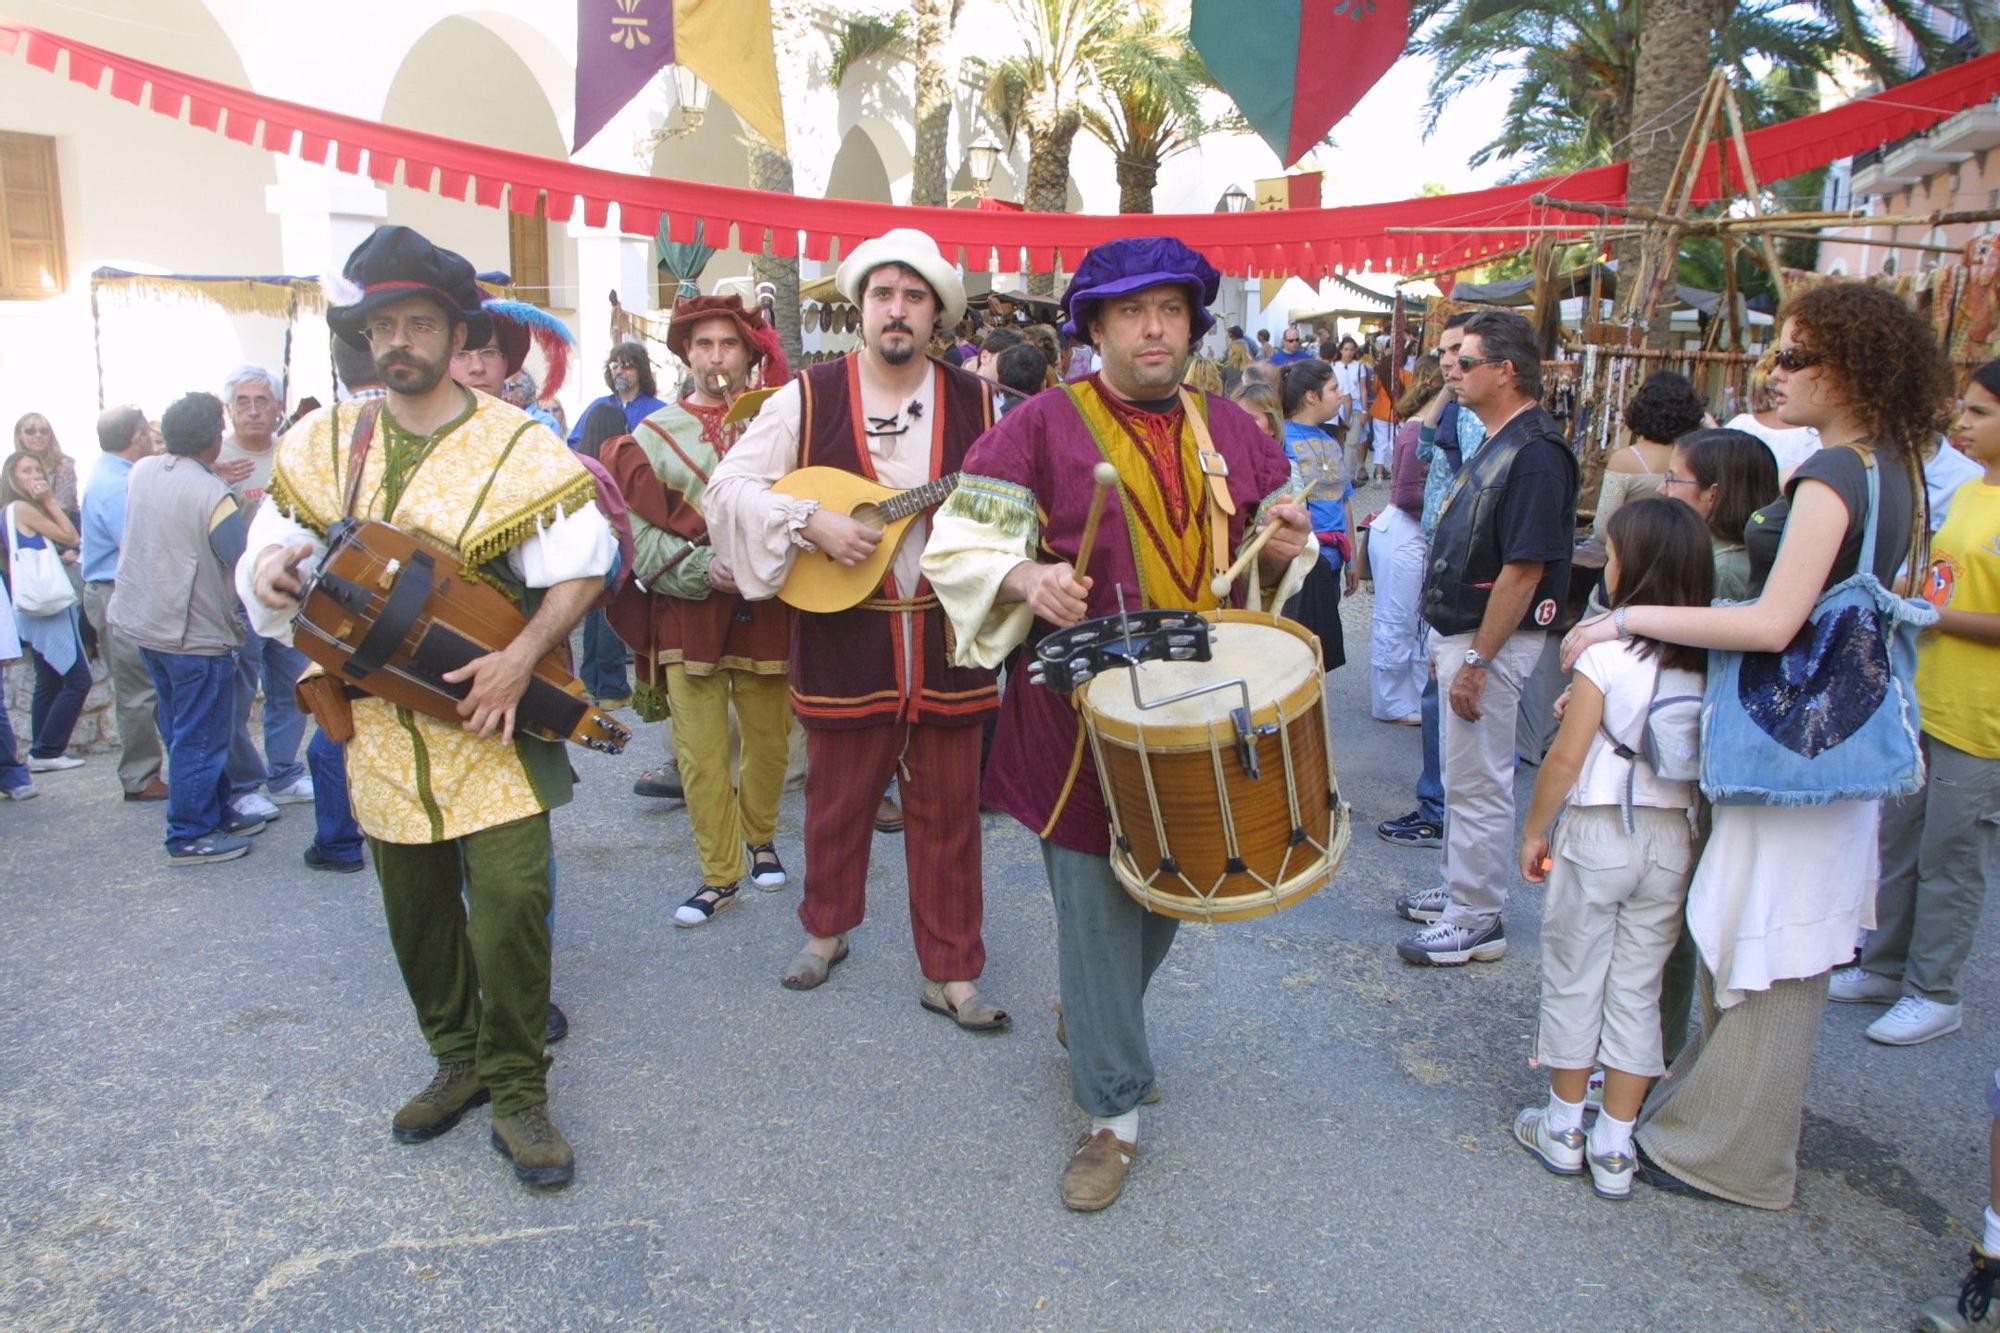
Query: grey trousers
x,y
1940,849
1479,863
1107,949
131,694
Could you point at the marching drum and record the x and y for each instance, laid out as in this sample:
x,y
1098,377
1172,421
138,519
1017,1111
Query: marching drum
x,y
1216,765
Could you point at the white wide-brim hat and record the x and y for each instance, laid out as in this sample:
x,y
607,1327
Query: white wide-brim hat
x,y
913,250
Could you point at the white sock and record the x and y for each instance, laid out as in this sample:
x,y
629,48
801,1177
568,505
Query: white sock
x,y
1126,1126
1990,1242
1562,1115
1611,1135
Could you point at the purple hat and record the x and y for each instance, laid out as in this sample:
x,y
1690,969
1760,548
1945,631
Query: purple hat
x,y
1132,264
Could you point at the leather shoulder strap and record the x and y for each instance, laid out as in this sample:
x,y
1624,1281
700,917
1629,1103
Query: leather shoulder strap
x,y
357,453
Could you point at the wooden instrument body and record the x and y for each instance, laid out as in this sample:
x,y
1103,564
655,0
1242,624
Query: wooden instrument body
x,y
1194,834
377,579
820,583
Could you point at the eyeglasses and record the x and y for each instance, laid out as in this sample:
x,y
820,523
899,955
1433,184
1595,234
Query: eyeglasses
x,y
36,430
1469,364
1792,359
1669,479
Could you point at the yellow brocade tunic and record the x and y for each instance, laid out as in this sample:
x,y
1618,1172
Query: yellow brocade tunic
x,y
481,486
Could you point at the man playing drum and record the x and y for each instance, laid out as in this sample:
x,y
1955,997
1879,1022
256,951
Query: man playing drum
x,y
1027,489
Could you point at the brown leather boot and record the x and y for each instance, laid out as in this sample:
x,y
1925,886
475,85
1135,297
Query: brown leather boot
x,y
1095,1175
452,1091
538,1150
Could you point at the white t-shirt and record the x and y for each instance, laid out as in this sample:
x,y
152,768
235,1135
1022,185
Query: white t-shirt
x,y
1347,375
251,489
1626,680
1791,446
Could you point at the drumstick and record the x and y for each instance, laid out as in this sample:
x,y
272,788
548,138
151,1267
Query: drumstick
x,y
1221,583
1104,477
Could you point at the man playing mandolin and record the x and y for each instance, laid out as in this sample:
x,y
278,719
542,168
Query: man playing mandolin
x,y
873,684
449,808
1197,477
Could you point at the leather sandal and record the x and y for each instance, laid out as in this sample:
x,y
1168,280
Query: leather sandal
x,y
809,970
698,910
977,1014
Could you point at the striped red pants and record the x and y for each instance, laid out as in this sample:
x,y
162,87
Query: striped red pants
x,y
846,774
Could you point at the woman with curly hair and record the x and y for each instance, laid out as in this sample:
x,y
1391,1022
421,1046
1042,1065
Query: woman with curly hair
x,y
34,435
1665,408
1782,890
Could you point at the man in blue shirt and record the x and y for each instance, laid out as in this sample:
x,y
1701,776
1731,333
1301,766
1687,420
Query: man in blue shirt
x,y
1291,351
125,437
628,373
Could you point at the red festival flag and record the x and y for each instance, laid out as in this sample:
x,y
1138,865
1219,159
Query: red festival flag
x,y
620,44
1342,47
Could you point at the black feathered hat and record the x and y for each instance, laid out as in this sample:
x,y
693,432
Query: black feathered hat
x,y
395,263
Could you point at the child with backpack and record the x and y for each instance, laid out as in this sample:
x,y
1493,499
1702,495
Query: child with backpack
x,y
1617,863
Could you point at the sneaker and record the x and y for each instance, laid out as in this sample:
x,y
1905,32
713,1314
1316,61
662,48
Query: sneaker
x,y
1857,985
452,1091
318,860
662,783
253,805
1971,1310
1611,1174
1445,945
27,791
1412,830
242,825
1423,907
767,872
1913,1020
538,1150
697,910
299,791
214,847
1561,1153
53,765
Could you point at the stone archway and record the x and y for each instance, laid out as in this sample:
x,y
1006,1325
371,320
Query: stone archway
x,y
858,171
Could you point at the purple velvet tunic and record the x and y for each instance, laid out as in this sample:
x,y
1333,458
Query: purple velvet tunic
x,y
1044,445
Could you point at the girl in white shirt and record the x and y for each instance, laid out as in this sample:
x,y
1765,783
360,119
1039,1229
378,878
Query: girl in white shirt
x,y
1618,878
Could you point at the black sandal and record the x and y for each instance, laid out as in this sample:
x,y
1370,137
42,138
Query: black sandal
x,y
697,910
767,872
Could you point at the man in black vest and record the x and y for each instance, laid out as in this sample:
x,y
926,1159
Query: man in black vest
x,y
1498,568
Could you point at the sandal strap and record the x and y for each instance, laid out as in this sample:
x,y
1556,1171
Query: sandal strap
x,y
706,908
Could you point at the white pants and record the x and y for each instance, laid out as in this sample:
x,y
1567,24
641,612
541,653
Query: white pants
x,y
1385,442
1398,665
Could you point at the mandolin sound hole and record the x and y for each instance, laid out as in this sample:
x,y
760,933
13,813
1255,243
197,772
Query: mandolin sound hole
x,y
869,515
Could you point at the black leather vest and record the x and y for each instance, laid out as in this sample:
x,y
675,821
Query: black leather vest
x,y
1465,552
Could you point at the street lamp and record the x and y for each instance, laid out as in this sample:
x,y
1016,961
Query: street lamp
x,y
981,159
1235,200
692,96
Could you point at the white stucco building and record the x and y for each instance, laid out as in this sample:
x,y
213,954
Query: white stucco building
x,y
121,186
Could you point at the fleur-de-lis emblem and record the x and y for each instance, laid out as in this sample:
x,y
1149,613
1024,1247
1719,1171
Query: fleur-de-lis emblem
x,y
1354,9
630,32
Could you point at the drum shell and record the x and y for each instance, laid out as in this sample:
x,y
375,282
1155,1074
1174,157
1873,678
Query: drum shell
x,y
1181,792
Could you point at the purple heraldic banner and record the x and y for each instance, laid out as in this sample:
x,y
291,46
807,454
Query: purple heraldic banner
x,y
620,44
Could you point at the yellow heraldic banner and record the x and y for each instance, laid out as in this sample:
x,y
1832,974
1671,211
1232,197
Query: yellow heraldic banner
x,y
728,43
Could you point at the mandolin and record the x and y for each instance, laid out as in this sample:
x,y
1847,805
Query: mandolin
x,y
820,583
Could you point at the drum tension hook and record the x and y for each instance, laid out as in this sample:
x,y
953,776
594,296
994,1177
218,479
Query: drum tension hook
x,y
1246,739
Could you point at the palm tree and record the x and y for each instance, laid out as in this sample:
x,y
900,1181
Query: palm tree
x,y
1065,43
771,169
1146,104
935,20
1580,94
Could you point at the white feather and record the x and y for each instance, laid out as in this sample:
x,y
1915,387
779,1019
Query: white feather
x,y
340,290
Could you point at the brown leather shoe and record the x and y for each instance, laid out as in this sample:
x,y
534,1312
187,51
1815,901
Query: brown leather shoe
x,y
155,790
1095,1175
452,1091
888,817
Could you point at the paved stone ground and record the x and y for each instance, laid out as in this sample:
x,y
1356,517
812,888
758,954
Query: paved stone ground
x,y
197,1068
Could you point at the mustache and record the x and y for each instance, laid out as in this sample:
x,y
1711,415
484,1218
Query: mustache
x,y
896,326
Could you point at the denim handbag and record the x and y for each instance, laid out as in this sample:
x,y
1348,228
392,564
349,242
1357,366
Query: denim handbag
x,y
1833,717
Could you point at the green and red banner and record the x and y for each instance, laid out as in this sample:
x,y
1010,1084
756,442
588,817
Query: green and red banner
x,y
1295,67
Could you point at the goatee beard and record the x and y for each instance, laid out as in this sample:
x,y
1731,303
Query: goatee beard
x,y
898,355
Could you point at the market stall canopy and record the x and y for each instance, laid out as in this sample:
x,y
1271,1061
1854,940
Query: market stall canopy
x,y
1520,291
1308,242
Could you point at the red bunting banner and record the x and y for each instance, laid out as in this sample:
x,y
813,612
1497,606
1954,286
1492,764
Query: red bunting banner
x,y
1306,242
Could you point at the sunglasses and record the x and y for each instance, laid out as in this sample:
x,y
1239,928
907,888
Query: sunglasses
x,y
1792,359
1472,363
36,430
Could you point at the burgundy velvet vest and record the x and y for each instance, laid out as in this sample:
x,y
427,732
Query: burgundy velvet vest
x,y
847,668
